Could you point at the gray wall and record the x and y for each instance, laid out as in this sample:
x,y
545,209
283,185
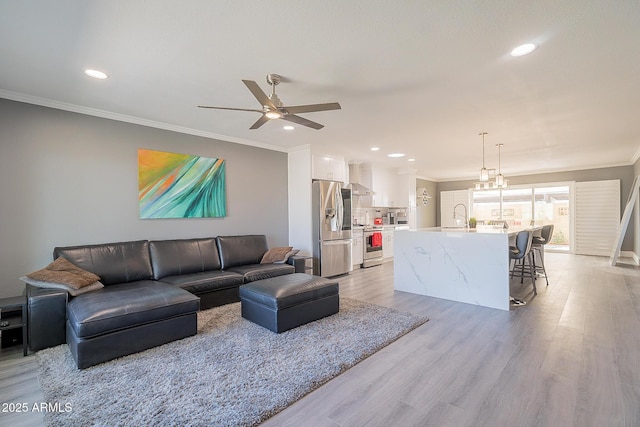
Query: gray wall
x,y
624,173
426,216
71,179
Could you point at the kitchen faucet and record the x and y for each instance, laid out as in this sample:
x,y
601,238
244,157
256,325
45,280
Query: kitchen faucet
x,y
466,221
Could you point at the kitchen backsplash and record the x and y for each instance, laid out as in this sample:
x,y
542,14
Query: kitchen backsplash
x,y
365,216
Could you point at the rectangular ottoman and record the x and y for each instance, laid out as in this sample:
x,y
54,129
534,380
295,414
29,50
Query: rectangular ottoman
x,y
286,302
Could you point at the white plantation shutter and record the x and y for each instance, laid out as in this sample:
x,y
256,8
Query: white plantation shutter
x,y
597,216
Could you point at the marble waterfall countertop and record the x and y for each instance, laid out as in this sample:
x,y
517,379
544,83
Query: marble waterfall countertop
x,y
458,264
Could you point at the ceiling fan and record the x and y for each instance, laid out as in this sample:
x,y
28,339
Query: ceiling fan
x,y
272,107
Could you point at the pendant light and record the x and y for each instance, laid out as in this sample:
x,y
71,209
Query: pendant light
x,y
500,181
484,172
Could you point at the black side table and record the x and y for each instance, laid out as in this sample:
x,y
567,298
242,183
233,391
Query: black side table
x,y
14,321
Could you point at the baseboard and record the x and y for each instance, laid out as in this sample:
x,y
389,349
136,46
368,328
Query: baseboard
x,y
632,255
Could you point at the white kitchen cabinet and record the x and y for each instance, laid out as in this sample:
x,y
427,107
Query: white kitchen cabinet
x,y
358,247
448,201
387,242
385,185
328,167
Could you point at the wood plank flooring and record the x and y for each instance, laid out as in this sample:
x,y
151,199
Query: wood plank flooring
x,y
570,357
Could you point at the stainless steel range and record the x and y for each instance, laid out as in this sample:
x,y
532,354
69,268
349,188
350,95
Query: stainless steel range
x,y
372,248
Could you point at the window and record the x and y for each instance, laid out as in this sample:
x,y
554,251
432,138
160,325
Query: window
x,y
522,206
518,203
486,206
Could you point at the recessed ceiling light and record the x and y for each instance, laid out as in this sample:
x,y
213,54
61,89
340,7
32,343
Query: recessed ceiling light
x,y
524,49
96,74
288,127
374,148
411,160
395,155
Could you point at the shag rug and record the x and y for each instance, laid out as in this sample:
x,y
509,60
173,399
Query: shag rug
x,y
232,373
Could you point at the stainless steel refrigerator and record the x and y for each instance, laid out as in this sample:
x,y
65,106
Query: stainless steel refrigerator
x,y
332,241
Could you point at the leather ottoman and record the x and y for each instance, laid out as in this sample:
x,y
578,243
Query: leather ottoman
x,y
286,302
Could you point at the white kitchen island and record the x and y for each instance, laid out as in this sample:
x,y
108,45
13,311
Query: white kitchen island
x,y
458,264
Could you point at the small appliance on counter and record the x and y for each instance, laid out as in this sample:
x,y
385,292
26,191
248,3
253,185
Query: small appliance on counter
x,y
389,218
401,218
377,220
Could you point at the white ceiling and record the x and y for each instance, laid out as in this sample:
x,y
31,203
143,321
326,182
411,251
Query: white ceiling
x,y
421,77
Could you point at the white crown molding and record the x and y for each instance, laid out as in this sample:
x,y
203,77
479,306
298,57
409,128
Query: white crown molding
x,y
299,148
50,103
540,172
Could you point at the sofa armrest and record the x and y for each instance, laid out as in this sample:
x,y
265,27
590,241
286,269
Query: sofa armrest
x,y
47,314
298,262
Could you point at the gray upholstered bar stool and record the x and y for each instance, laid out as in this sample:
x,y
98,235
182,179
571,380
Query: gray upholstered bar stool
x,y
537,245
520,253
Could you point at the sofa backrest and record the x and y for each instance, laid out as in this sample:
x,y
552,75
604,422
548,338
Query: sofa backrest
x,y
241,250
114,262
184,256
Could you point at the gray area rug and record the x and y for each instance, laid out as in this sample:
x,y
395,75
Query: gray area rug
x,y
233,373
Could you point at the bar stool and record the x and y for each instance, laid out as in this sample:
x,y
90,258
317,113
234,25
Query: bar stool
x,y
537,245
521,252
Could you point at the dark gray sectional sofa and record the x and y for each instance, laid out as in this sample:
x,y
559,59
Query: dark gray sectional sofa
x,y
153,290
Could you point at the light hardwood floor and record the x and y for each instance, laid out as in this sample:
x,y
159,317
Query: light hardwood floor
x,y
570,357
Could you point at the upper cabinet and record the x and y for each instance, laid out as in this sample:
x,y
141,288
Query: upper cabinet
x,y
332,168
384,182
385,185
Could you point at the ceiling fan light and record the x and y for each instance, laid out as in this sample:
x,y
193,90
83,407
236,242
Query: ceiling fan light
x,y
273,114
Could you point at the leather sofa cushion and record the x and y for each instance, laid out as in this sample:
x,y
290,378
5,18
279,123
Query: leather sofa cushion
x,y
127,305
207,281
184,256
241,250
253,272
114,262
288,291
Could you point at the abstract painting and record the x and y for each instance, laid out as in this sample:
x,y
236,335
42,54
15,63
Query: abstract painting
x,y
172,185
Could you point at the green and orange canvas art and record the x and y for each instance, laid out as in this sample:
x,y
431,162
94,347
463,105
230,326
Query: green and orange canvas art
x,y
172,185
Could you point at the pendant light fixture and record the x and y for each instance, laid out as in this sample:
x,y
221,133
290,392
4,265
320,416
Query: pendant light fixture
x,y
500,181
484,172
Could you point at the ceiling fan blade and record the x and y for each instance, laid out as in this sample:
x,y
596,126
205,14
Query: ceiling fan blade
x,y
228,108
296,109
262,120
301,121
262,97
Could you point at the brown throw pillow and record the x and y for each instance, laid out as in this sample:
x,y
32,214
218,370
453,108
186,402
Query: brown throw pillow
x,y
66,273
51,285
291,253
275,254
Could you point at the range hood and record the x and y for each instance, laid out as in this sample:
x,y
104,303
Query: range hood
x,y
360,177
